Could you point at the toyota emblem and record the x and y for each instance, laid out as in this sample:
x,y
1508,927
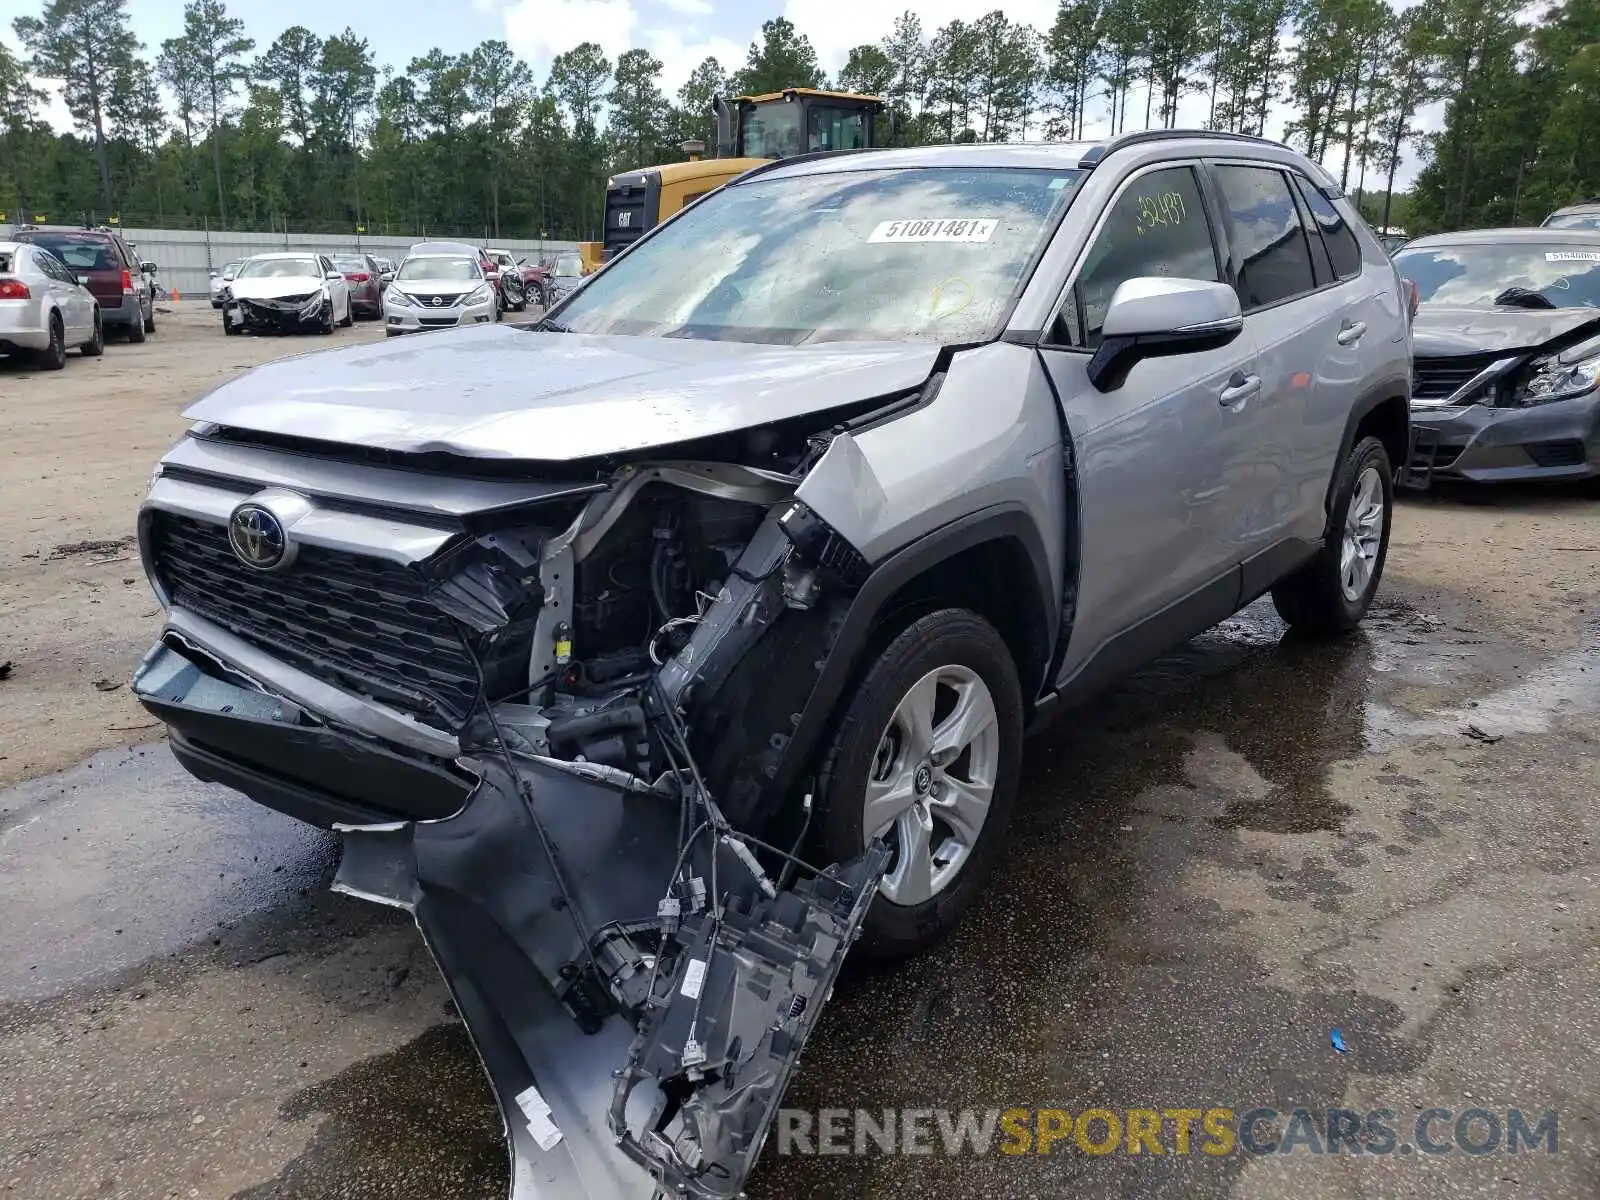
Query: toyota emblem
x,y
257,537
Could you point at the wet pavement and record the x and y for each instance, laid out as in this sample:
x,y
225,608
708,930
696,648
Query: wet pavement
x,y
1256,841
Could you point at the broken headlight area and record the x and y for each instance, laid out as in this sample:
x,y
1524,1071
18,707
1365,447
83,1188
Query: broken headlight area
x,y
560,737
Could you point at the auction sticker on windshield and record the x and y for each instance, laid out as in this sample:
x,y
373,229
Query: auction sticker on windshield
x,y
1572,256
936,229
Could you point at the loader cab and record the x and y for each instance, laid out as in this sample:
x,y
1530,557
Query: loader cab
x,y
797,121
750,131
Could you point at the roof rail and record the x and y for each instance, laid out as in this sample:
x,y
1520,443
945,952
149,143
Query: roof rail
x,y
1095,153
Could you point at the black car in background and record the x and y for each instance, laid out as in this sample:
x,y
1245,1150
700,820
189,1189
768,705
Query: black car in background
x,y
1506,343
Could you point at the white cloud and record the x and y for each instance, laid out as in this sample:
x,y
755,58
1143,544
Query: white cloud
x,y
538,30
835,28
689,8
680,53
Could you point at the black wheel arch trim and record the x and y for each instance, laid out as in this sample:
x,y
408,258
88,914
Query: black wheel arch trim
x,y
1001,522
1391,392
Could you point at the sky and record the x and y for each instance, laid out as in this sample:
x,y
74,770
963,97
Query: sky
x,y
679,32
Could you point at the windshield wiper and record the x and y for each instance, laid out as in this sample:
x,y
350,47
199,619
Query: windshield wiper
x,y
546,325
1521,297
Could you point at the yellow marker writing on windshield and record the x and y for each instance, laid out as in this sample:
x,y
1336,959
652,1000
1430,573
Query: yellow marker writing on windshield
x,y
949,297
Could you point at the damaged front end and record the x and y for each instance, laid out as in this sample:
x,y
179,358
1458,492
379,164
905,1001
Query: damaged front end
x,y
554,723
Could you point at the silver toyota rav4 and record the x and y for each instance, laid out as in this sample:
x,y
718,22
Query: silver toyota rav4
x,y
653,655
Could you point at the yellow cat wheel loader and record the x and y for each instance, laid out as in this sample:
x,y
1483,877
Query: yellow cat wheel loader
x,y
751,130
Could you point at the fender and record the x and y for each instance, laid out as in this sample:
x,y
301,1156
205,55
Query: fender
x,y
1000,522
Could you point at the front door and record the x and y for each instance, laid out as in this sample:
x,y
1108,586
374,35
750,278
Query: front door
x,y
1151,457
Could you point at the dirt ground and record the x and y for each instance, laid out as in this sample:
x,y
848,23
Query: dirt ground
x,y
76,450
76,613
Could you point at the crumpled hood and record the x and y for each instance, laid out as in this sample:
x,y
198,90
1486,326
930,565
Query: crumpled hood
x,y
273,287
498,392
1442,330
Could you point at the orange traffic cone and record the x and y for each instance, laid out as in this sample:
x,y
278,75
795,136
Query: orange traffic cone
x,y
174,295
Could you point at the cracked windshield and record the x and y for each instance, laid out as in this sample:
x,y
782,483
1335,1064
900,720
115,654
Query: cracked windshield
x,y
926,254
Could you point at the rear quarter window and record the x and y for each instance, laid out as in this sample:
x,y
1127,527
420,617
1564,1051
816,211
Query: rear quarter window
x,y
1337,235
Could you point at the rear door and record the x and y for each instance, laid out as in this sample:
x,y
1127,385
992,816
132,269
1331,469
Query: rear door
x,y
1154,457
76,305
1291,309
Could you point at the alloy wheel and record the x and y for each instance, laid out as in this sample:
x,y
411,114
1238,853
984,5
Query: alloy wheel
x,y
1364,520
932,781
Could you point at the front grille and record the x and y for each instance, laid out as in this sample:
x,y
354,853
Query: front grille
x,y
437,300
362,624
1565,453
1437,378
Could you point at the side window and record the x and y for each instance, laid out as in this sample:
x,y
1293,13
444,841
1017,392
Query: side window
x,y
1337,235
1321,266
1157,226
1269,245
54,267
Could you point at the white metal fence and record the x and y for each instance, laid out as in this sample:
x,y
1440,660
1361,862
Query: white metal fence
x,y
185,257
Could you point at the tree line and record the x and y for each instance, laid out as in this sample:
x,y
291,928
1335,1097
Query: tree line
x,y
311,133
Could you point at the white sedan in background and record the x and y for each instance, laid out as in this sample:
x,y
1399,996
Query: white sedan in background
x,y
43,308
438,291
220,279
286,292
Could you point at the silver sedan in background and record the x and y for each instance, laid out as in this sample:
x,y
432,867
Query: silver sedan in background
x,y
438,291
43,308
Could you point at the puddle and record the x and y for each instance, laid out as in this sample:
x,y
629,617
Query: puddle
x,y
418,1121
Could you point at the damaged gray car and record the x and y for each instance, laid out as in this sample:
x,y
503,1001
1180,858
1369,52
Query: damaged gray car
x,y
656,654
1507,341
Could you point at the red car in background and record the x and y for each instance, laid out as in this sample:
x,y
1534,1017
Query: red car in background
x,y
365,277
102,262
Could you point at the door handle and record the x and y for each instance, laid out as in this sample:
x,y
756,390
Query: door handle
x,y
1241,387
1351,332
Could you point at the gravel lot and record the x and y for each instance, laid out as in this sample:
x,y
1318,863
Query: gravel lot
x,y
1254,842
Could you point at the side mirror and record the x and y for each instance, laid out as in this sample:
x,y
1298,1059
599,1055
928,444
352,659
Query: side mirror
x,y
1158,317
335,275
149,266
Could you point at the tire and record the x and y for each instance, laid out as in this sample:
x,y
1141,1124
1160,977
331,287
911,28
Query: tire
x,y
955,657
54,356
136,332
349,316
150,321
1321,597
229,328
325,327
96,345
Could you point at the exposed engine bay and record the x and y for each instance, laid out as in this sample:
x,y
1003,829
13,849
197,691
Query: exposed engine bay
x,y
628,861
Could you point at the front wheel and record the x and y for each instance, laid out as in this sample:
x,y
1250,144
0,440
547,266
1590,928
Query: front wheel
x,y
325,326
1331,592
926,758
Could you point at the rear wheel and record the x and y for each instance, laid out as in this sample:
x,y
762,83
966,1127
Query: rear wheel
x,y
926,758
1331,593
54,356
136,332
96,345
150,317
